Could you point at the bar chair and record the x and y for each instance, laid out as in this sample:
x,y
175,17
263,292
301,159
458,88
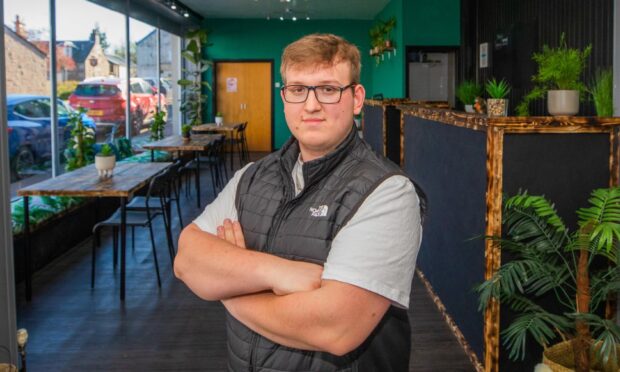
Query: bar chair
x,y
142,218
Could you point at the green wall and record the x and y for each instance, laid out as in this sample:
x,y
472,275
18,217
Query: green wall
x,y
418,22
388,76
432,23
263,39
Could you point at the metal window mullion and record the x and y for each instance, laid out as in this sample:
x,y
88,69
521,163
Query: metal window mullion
x,y
53,95
158,62
8,322
128,133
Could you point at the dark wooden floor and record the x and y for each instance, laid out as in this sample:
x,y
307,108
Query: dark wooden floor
x,y
74,328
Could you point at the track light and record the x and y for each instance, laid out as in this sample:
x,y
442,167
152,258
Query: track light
x,y
186,15
173,6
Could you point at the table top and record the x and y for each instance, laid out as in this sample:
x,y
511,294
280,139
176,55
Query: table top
x,y
197,142
212,127
127,179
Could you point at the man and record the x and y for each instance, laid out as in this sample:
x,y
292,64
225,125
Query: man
x,y
311,249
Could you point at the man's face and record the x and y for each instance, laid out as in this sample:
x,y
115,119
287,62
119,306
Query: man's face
x,y
321,127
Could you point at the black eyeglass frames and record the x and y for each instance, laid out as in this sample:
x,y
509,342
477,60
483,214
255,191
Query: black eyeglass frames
x,y
323,93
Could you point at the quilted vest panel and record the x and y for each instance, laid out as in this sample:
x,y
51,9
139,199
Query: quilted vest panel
x,y
302,227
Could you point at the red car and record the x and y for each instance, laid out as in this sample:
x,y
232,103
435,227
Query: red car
x,y
105,98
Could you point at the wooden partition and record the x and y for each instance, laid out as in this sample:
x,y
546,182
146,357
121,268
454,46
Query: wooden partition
x,y
465,162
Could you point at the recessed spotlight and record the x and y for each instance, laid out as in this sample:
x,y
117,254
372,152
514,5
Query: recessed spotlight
x,y
186,15
294,18
281,18
173,6
307,18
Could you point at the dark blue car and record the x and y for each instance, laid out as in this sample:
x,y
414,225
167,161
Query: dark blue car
x,y
30,131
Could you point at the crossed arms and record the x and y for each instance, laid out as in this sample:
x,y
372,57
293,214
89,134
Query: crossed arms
x,y
283,300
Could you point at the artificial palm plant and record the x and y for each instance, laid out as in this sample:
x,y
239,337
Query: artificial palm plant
x,y
580,269
193,85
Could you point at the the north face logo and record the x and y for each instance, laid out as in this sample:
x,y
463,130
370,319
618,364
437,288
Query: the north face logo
x,y
321,211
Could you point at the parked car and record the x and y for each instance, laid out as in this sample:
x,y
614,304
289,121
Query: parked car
x,y
106,98
30,133
165,85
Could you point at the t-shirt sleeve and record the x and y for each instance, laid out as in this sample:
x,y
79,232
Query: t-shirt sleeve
x,y
377,249
222,207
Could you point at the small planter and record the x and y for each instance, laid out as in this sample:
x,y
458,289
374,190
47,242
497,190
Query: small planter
x,y
559,358
497,107
563,102
105,165
470,109
219,120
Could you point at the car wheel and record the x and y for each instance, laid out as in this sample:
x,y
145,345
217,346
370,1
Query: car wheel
x,y
23,163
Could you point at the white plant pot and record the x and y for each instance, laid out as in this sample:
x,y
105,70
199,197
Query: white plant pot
x,y
219,120
469,108
105,165
563,102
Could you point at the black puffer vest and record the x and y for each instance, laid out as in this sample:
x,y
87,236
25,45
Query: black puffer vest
x,y
302,228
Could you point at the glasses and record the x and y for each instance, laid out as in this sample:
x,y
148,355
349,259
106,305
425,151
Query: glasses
x,y
323,93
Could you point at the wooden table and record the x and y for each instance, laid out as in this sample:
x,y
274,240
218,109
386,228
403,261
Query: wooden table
x,y
212,127
196,144
227,129
127,179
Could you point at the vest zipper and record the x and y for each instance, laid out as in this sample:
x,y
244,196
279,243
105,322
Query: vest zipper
x,y
252,352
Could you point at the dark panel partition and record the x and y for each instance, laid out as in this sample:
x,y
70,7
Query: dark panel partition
x,y
373,127
449,163
563,167
516,28
392,134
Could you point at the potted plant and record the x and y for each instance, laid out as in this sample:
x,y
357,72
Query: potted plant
x,y
158,125
579,269
602,93
219,119
186,131
386,29
192,86
497,104
559,74
105,161
466,92
79,150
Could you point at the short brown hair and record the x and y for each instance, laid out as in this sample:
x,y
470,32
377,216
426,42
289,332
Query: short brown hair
x,y
321,49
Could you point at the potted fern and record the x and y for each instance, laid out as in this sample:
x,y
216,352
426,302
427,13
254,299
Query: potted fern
x,y
497,104
580,269
158,125
105,161
79,150
186,132
559,74
602,93
466,92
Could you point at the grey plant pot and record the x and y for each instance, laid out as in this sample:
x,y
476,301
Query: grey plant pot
x,y
563,102
470,108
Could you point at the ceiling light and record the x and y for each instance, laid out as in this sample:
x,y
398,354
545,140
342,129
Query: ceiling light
x,y
281,18
173,6
186,14
307,18
294,18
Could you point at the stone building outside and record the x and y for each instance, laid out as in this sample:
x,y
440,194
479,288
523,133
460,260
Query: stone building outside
x,y
26,65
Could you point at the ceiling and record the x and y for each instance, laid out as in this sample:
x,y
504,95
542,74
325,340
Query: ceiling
x,y
314,9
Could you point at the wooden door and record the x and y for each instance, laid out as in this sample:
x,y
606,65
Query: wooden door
x,y
243,93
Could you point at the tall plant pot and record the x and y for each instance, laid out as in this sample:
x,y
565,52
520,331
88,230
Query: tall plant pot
x,y
559,358
497,107
563,102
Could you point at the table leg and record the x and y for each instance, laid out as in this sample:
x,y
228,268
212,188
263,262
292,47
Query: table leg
x,y
123,244
28,253
152,155
197,155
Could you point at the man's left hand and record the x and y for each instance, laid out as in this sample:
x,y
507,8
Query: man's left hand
x,y
231,232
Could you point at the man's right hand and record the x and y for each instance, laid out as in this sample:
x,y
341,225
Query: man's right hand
x,y
296,276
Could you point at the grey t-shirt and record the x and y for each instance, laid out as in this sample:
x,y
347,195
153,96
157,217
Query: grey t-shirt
x,y
376,250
